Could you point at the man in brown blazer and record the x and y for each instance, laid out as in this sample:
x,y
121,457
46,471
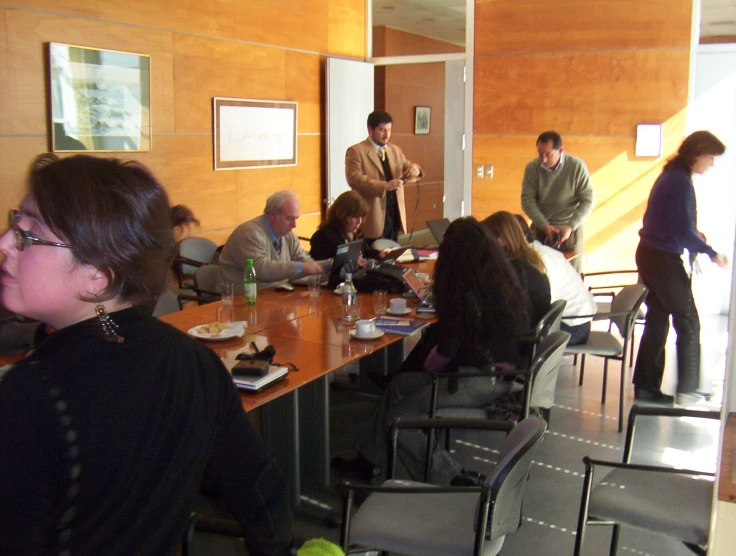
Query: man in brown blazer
x,y
378,171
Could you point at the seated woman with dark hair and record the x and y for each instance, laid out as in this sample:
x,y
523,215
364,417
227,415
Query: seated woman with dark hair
x,y
108,426
482,313
341,225
526,262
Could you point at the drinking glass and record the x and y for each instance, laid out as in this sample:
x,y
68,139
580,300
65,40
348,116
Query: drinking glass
x,y
380,300
314,281
227,289
226,313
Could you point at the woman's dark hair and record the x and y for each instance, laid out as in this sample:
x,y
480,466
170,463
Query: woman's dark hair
x,y
183,217
504,225
349,204
116,217
474,277
695,144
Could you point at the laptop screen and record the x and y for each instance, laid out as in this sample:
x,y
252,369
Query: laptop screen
x,y
438,228
415,284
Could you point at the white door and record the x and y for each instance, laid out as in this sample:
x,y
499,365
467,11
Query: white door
x,y
349,101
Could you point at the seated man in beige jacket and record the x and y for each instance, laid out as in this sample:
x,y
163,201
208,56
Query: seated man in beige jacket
x,y
378,170
270,241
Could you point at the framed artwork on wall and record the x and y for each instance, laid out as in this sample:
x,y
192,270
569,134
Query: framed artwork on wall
x,y
99,100
421,120
254,133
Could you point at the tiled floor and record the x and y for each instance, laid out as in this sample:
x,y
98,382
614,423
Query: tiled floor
x,y
579,426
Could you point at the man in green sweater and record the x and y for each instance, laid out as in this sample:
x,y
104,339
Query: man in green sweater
x,y
557,195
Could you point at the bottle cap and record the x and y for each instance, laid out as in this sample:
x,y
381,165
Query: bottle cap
x,y
249,261
348,276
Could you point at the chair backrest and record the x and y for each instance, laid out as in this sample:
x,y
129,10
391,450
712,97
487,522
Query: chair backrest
x,y
207,280
198,249
626,304
509,478
167,303
550,322
545,367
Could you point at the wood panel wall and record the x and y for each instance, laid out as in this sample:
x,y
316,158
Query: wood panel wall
x,y
592,71
398,89
237,48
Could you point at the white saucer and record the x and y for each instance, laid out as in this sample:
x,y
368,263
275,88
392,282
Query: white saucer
x,y
376,334
234,330
398,313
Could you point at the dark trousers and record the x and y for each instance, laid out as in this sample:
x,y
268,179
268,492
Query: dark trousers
x,y
669,294
579,333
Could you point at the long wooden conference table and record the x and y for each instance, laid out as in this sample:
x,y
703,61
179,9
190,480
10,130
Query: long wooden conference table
x,y
310,333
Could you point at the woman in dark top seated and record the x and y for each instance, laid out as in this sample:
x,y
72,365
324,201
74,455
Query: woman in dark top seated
x,y
108,426
482,313
341,225
526,262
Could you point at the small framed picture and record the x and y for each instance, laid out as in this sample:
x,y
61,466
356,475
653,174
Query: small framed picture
x,y
421,120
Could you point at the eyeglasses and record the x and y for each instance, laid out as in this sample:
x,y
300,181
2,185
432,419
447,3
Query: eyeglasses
x,y
21,237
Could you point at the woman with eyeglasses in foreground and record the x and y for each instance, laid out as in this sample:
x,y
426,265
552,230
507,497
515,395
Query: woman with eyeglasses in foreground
x,y
670,227
108,426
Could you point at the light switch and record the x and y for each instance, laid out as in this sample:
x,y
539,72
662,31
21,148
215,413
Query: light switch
x,y
479,171
489,171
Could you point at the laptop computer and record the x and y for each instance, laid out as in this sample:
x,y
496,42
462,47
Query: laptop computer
x,y
438,228
416,286
347,252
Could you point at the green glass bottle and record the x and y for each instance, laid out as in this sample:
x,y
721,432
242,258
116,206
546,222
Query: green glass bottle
x,y
250,291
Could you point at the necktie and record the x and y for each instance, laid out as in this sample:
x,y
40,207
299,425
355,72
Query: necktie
x,y
382,154
277,245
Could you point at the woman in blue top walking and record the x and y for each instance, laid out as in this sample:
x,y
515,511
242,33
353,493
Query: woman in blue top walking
x,y
670,227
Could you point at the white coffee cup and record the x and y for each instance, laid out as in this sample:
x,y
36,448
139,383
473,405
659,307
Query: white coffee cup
x,y
398,305
365,327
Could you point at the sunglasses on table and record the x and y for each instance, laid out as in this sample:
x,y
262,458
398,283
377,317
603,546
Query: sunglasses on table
x,y
22,239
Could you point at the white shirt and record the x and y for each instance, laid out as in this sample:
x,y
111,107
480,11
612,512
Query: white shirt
x,y
565,283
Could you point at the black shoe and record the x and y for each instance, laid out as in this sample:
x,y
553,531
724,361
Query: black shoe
x,y
653,396
361,465
468,478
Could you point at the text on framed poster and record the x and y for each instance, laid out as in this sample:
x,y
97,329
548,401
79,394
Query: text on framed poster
x,y
254,133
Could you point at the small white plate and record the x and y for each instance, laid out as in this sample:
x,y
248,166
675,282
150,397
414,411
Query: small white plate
x,y
404,312
376,334
234,330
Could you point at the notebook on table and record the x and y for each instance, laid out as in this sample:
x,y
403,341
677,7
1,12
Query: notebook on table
x,y
258,383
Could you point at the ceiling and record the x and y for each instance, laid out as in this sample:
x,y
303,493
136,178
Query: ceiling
x,y
445,19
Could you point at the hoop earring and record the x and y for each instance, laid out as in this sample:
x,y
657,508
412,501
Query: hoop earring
x,y
109,326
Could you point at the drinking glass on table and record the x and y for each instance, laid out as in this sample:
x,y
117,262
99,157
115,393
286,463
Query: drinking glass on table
x,y
380,301
314,281
227,290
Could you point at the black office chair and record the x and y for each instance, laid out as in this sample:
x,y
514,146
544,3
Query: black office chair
x,y
192,253
624,309
671,502
415,518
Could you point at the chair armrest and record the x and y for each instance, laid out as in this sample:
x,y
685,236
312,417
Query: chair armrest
x,y
429,489
599,316
497,372
185,260
659,411
590,462
609,272
450,423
